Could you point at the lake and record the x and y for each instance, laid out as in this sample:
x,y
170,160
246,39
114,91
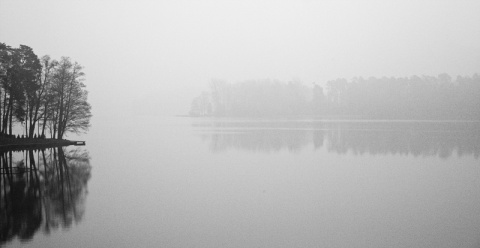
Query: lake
x,y
204,182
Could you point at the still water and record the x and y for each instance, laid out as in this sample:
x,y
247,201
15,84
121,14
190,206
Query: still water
x,y
192,182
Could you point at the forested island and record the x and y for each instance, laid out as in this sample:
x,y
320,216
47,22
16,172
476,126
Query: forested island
x,y
416,97
47,98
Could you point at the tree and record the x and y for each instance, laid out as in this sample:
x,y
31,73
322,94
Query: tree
x,y
318,100
30,82
20,69
201,105
47,91
45,95
71,110
425,97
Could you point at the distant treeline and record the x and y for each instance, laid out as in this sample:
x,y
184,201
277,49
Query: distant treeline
x,y
413,97
41,94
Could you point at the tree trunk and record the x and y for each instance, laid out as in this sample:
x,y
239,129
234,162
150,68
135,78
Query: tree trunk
x,y
26,124
1,112
45,118
11,116
5,113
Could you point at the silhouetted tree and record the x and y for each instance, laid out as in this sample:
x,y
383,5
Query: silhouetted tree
x,y
30,73
71,109
18,66
47,91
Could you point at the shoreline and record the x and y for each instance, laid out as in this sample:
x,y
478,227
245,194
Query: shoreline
x,y
7,144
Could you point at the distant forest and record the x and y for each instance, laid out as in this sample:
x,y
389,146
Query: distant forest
x,y
415,97
41,94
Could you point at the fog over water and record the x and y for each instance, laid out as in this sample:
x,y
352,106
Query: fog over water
x,y
206,182
249,124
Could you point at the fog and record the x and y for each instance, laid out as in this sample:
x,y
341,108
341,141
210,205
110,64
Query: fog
x,y
159,55
312,123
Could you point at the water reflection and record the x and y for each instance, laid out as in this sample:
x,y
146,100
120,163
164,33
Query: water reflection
x,y
41,190
357,137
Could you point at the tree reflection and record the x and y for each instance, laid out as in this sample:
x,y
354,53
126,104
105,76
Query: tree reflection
x,y
441,139
259,140
41,190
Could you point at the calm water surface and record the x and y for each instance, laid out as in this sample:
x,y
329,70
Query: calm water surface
x,y
190,182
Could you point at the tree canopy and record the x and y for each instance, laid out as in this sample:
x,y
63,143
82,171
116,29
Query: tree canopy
x,y
43,95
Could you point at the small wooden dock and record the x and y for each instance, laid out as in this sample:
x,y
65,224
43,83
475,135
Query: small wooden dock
x,y
78,143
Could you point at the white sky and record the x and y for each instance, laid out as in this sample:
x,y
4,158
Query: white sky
x,y
166,52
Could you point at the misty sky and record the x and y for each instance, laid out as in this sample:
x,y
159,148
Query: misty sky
x,y
163,53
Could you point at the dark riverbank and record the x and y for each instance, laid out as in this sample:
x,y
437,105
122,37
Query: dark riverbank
x,y
21,144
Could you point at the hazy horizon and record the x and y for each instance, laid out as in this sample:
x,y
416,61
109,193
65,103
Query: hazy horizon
x,y
168,52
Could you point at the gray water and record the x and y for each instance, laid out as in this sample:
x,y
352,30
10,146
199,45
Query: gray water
x,y
192,182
